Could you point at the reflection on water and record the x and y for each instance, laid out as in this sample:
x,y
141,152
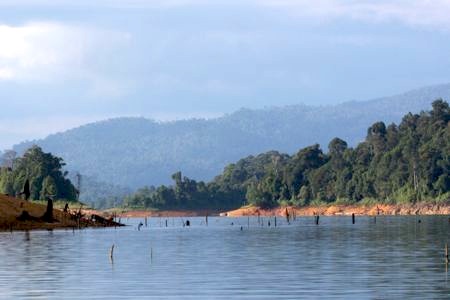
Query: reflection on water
x,y
392,258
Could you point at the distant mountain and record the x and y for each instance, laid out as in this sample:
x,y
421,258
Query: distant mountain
x,y
134,152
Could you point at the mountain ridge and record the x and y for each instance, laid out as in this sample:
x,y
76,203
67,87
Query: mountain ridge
x,y
136,151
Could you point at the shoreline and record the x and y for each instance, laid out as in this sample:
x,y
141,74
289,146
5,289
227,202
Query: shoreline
x,y
323,210
343,210
164,213
20,215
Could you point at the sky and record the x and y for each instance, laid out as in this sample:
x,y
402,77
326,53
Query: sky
x,y
66,63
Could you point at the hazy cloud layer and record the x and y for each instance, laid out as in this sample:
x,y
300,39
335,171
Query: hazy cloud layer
x,y
175,58
412,12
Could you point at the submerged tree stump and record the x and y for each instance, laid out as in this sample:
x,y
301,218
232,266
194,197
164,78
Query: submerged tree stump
x,y
48,215
446,254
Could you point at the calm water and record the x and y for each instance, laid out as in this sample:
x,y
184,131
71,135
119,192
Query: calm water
x,y
395,258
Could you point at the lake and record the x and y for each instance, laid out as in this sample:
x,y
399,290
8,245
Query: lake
x,y
396,257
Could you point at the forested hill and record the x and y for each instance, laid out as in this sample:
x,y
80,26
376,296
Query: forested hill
x,y
135,152
401,163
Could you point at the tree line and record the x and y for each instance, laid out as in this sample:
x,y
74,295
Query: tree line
x,y
401,163
42,174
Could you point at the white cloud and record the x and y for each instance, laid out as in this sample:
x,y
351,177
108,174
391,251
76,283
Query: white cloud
x,y
6,73
39,50
54,52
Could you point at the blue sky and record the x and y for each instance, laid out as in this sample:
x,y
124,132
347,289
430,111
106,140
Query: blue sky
x,y
64,63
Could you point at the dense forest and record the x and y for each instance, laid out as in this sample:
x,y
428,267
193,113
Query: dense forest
x,y
133,152
401,163
98,194
43,171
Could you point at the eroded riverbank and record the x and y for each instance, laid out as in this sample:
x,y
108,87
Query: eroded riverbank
x,y
343,210
18,214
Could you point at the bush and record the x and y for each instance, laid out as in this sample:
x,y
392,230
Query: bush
x,y
317,202
405,195
369,201
344,201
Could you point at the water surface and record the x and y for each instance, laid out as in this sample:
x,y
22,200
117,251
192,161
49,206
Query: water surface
x,y
396,257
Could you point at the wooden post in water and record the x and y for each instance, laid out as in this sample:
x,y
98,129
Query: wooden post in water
x,y
111,252
145,221
206,219
375,220
353,218
287,215
275,221
248,221
317,220
258,218
166,222
446,253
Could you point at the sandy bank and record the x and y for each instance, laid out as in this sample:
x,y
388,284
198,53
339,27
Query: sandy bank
x,y
344,210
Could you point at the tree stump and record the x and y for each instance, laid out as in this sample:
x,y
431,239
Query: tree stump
x,y
48,216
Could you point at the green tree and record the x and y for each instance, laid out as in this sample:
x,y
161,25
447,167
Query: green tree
x,y
49,188
37,167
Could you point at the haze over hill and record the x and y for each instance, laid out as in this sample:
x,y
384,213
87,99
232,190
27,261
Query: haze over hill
x,y
134,152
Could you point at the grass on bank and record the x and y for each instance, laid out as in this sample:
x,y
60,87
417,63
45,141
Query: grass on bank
x,y
60,204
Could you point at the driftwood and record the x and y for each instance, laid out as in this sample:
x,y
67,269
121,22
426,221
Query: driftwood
x,y
104,221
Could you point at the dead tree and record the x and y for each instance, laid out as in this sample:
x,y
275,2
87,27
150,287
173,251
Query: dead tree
x,y
78,189
26,190
48,215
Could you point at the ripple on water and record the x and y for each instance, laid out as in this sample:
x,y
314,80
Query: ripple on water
x,y
396,257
